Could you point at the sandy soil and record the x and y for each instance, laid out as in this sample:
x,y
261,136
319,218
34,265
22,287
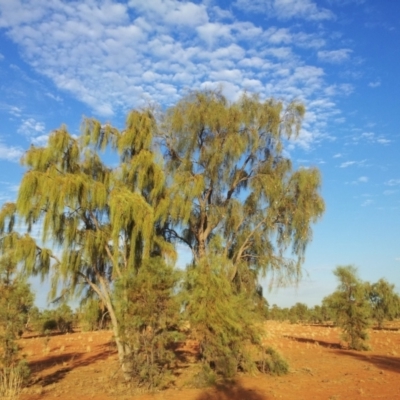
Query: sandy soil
x,y
84,366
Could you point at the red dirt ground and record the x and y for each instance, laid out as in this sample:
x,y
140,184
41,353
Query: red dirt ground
x,y
84,366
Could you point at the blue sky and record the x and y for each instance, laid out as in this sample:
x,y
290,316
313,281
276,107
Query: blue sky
x,y
62,60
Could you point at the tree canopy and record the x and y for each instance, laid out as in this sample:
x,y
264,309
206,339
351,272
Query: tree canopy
x,y
208,173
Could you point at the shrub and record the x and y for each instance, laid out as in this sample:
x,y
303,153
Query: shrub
x,y
350,306
273,363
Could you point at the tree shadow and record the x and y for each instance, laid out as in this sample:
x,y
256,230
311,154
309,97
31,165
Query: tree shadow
x,y
388,363
377,328
322,343
74,360
29,335
231,391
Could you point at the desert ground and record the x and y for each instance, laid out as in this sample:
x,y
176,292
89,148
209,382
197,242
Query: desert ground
x,y
83,365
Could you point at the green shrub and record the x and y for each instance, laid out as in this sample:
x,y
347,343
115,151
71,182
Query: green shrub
x,y
273,363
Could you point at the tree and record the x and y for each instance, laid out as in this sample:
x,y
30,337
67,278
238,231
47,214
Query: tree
x,y
385,302
91,314
102,220
16,299
299,313
229,183
350,307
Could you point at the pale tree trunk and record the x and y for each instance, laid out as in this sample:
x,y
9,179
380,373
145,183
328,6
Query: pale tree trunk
x,y
124,350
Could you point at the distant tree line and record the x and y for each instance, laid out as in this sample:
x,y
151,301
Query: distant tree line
x,y
354,306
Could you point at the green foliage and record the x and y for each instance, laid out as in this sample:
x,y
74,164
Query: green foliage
x,y
231,196
148,312
224,322
229,178
278,314
16,299
385,302
273,363
91,315
350,307
299,313
60,319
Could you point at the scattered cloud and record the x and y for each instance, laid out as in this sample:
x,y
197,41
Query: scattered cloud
x,y
115,56
390,192
334,56
347,164
338,155
374,84
30,127
367,203
370,137
393,182
10,153
363,179
286,9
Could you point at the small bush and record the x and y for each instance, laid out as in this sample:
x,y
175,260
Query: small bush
x,y
12,379
273,363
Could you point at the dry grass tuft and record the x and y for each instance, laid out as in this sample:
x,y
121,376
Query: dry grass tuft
x,y
11,382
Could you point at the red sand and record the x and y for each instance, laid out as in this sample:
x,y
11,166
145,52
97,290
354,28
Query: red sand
x,y
84,366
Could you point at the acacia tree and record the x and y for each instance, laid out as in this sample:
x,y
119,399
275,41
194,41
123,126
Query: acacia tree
x,y
101,220
350,306
229,178
385,302
230,183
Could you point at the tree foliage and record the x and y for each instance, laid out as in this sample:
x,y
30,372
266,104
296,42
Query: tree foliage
x,y
350,307
207,173
16,299
385,302
229,178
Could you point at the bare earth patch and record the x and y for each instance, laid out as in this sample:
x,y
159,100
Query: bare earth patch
x,y
84,365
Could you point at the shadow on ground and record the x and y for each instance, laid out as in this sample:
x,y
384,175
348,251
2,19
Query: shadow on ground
x,y
388,363
322,343
67,362
231,391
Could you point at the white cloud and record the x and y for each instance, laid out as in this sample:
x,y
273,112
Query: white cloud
x,y
40,140
389,192
114,56
363,179
30,127
286,9
10,153
374,84
367,202
338,155
393,182
347,164
334,56
173,12
370,137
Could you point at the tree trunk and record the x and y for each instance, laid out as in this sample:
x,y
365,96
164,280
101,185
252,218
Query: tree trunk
x,y
124,351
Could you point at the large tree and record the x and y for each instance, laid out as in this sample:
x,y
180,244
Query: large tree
x,y
208,173
239,207
100,221
229,177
